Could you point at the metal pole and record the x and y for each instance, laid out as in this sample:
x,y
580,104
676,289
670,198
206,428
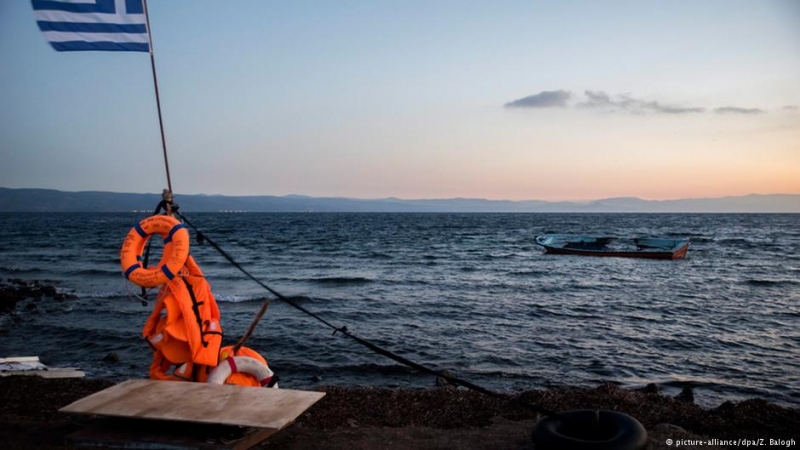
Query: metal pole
x,y
158,99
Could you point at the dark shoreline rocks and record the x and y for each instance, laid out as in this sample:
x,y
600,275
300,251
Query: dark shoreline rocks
x,y
362,417
14,291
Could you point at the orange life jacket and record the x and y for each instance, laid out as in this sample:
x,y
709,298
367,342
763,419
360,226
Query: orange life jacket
x,y
185,333
184,326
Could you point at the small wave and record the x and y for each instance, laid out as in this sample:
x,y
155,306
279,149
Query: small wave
x,y
736,242
553,289
641,318
305,298
339,281
518,374
679,345
235,276
21,271
94,272
379,255
759,282
372,369
234,298
528,273
105,294
491,257
587,287
695,237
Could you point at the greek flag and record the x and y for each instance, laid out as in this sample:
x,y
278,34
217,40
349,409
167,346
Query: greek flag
x,y
108,25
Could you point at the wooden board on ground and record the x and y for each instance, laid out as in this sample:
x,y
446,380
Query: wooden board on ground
x,y
47,373
198,402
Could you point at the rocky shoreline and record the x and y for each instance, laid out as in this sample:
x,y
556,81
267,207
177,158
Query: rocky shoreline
x,y
365,417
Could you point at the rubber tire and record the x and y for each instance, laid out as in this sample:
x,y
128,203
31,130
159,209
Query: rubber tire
x,y
617,431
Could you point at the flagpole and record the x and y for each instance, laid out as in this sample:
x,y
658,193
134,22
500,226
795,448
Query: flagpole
x,y
158,99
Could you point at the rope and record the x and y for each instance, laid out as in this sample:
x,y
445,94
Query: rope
x,y
375,348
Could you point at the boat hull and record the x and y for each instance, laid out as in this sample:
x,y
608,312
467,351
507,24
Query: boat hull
x,y
678,253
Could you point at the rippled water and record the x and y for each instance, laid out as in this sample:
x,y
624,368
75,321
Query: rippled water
x,y
466,292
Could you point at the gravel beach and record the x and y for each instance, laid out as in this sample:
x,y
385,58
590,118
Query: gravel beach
x,y
437,418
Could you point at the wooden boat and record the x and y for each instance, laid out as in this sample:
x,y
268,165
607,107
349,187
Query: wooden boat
x,y
652,248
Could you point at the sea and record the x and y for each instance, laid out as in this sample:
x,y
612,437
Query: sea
x,y
468,293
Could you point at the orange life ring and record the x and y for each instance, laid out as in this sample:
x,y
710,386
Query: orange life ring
x,y
176,250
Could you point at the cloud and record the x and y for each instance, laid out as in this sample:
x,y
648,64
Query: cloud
x,y
626,103
544,99
737,110
791,108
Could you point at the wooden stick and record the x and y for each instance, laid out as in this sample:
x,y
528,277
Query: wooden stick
x,y
252,327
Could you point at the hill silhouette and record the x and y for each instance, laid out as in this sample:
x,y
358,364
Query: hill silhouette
x,y
50,200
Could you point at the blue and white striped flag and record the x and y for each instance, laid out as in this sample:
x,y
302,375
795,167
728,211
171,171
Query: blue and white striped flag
x,y
108,25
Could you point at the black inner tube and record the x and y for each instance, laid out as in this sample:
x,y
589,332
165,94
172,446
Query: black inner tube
x,y
590,430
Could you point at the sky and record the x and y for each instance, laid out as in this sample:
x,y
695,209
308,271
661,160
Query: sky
x,y
516,100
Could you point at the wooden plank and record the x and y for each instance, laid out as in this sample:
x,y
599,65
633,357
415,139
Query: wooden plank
x,y
30,365
19,359
161,435
198,402
46,373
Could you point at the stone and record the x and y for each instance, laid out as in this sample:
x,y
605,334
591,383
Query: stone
x,y
686,395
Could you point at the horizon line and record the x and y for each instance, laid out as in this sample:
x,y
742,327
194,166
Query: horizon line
x,y
421,199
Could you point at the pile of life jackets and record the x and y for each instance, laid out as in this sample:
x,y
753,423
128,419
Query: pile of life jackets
x,y
184,328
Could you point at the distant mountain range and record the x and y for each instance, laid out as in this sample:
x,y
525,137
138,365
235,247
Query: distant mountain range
x,y
49,200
